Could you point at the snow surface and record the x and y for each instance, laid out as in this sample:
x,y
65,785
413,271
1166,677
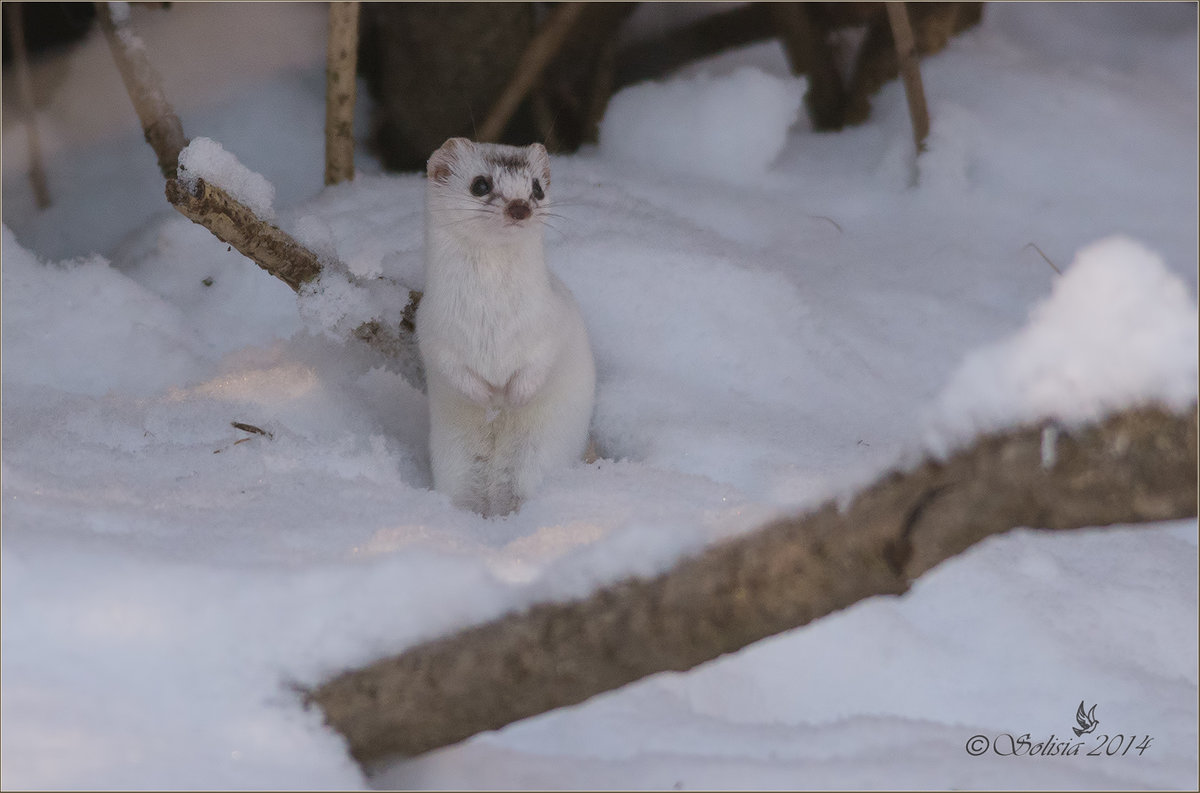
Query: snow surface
x,y
761,345
204,158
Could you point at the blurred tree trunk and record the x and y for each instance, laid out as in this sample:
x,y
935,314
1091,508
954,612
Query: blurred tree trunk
x,y
546,43
435,69
807,31
573,93
507,72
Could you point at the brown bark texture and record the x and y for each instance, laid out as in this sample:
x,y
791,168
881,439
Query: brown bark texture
x,y
162,127
1139,465
340,64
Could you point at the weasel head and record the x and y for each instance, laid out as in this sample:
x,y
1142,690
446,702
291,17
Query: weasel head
x,y
487,191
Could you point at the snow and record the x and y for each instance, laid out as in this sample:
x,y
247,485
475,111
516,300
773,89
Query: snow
x,y
1114,331
731,126
206,159
762,344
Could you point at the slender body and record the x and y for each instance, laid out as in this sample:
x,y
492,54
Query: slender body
x,y
508,365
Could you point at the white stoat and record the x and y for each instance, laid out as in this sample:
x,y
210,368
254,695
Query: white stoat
x,y
508,365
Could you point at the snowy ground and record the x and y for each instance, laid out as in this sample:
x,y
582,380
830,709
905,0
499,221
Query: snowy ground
x,y
777,316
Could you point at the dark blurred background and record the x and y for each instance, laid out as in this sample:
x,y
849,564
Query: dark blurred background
x,y
435,70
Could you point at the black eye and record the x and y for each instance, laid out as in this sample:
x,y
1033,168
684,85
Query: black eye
x,y
537,190
481,186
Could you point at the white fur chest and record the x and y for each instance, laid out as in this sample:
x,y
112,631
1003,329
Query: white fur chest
x,y
492,309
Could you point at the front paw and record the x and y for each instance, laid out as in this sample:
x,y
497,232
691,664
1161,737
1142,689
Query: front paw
x,y
522,387
475,389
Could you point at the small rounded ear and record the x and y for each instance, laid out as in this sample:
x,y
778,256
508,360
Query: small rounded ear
x,y
539,159
441,162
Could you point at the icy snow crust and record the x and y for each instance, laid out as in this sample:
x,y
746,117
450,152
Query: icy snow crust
x,y
762,344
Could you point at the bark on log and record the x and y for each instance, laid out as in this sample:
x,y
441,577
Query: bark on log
x,y
340,64
162,127
541,50
1139,465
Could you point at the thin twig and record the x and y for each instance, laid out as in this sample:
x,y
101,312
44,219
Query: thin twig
x,y
836,225
162,127
1044,256
340,93
37,172
910,71
244,427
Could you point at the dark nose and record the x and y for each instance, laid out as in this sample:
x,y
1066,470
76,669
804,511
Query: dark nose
x,y
517,210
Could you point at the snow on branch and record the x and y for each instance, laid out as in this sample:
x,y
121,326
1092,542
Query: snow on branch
x,y
1137,465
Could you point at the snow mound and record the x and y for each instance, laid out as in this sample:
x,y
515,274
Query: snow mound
x,y
1118,329
85,328
729,127
206,159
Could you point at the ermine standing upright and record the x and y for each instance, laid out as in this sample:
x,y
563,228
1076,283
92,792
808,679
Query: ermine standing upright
x,y
508,366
